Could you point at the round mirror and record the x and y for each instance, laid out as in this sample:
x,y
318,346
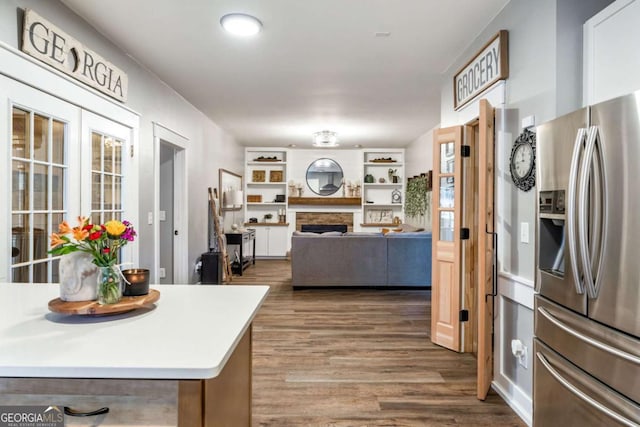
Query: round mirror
x,y
324,177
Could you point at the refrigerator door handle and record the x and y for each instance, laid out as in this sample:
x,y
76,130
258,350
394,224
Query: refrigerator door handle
x,y
592,166
594,343
602,211
572,227
583,396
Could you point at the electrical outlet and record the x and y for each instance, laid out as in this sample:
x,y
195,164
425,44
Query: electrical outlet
x,y
523,358
524,232
162,216
149,218
163,273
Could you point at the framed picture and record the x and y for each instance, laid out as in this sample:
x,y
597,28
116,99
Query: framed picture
x,y
379,216
275,176
258,176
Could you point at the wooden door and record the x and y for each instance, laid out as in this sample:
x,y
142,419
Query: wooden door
x,y
447,214
485,247
469,331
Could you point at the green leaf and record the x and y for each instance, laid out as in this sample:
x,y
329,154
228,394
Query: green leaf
x,y
63,250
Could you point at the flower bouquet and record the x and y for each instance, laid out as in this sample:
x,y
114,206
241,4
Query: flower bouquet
x,y
102,242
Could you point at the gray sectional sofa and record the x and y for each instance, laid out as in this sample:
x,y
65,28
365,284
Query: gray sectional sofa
x,y
361,259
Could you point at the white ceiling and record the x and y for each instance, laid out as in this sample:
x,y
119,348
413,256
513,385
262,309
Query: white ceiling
x,y
316,64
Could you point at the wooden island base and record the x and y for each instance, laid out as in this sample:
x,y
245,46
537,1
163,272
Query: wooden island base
x,y
221,401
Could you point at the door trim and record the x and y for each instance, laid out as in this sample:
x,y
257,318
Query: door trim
x,y
180,203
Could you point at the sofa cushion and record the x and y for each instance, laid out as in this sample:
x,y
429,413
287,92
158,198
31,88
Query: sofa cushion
x,y
338,261
362,233
409,259
313,234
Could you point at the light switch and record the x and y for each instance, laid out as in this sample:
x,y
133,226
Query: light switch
x,y
162,273
149,218
524,232
162,215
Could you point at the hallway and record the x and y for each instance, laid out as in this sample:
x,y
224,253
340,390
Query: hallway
x,y
357,358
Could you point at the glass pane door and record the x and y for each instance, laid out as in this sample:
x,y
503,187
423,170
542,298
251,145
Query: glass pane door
x,y
42,191
106,174
106,178
447,191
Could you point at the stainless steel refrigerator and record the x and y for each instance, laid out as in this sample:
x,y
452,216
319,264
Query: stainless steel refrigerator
x,y
587,312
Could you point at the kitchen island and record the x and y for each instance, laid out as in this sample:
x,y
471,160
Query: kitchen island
x,y
186,361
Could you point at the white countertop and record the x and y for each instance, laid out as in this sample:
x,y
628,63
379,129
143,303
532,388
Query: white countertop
x,y
189,335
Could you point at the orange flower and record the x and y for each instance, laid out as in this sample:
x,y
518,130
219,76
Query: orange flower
x,y
82,220
64,228
56,240
79,234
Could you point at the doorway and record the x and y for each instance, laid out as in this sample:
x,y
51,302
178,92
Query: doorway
x,y
170,207
165,217
463,241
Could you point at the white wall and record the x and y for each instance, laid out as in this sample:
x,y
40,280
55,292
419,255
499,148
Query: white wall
x,y
419,154
544,81
210,147
299,160
419,159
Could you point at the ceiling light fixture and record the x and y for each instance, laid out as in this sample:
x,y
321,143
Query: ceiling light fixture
x,y
325,138
241,24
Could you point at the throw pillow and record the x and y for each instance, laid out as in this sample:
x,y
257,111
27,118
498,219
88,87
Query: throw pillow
x,y
410,228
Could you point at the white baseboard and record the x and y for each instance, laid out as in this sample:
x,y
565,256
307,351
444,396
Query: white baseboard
x,y
521,291
516,399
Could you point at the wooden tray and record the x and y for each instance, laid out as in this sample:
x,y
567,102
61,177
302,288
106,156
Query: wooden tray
x,y
92,308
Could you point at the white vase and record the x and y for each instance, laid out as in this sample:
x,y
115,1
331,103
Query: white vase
x,y
78,277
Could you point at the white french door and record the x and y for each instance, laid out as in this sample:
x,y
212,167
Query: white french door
x,y
61,162
107,174
41,172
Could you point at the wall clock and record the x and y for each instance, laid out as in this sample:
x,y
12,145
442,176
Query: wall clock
x,y
522,163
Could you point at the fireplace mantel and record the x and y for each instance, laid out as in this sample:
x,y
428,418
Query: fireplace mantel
x,y
326,201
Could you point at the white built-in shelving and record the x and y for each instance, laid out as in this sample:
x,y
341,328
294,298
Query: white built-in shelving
x,y
379,206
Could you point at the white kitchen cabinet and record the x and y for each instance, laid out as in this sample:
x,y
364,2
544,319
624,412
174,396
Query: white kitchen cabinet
x,y
272,240
611,60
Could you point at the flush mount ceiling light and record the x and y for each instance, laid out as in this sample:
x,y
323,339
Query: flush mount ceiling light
x,y
240,24
325,138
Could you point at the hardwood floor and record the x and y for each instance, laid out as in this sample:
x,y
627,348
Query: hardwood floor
x,y
326,357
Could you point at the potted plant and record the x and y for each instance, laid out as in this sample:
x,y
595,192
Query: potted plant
x,y
267,217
